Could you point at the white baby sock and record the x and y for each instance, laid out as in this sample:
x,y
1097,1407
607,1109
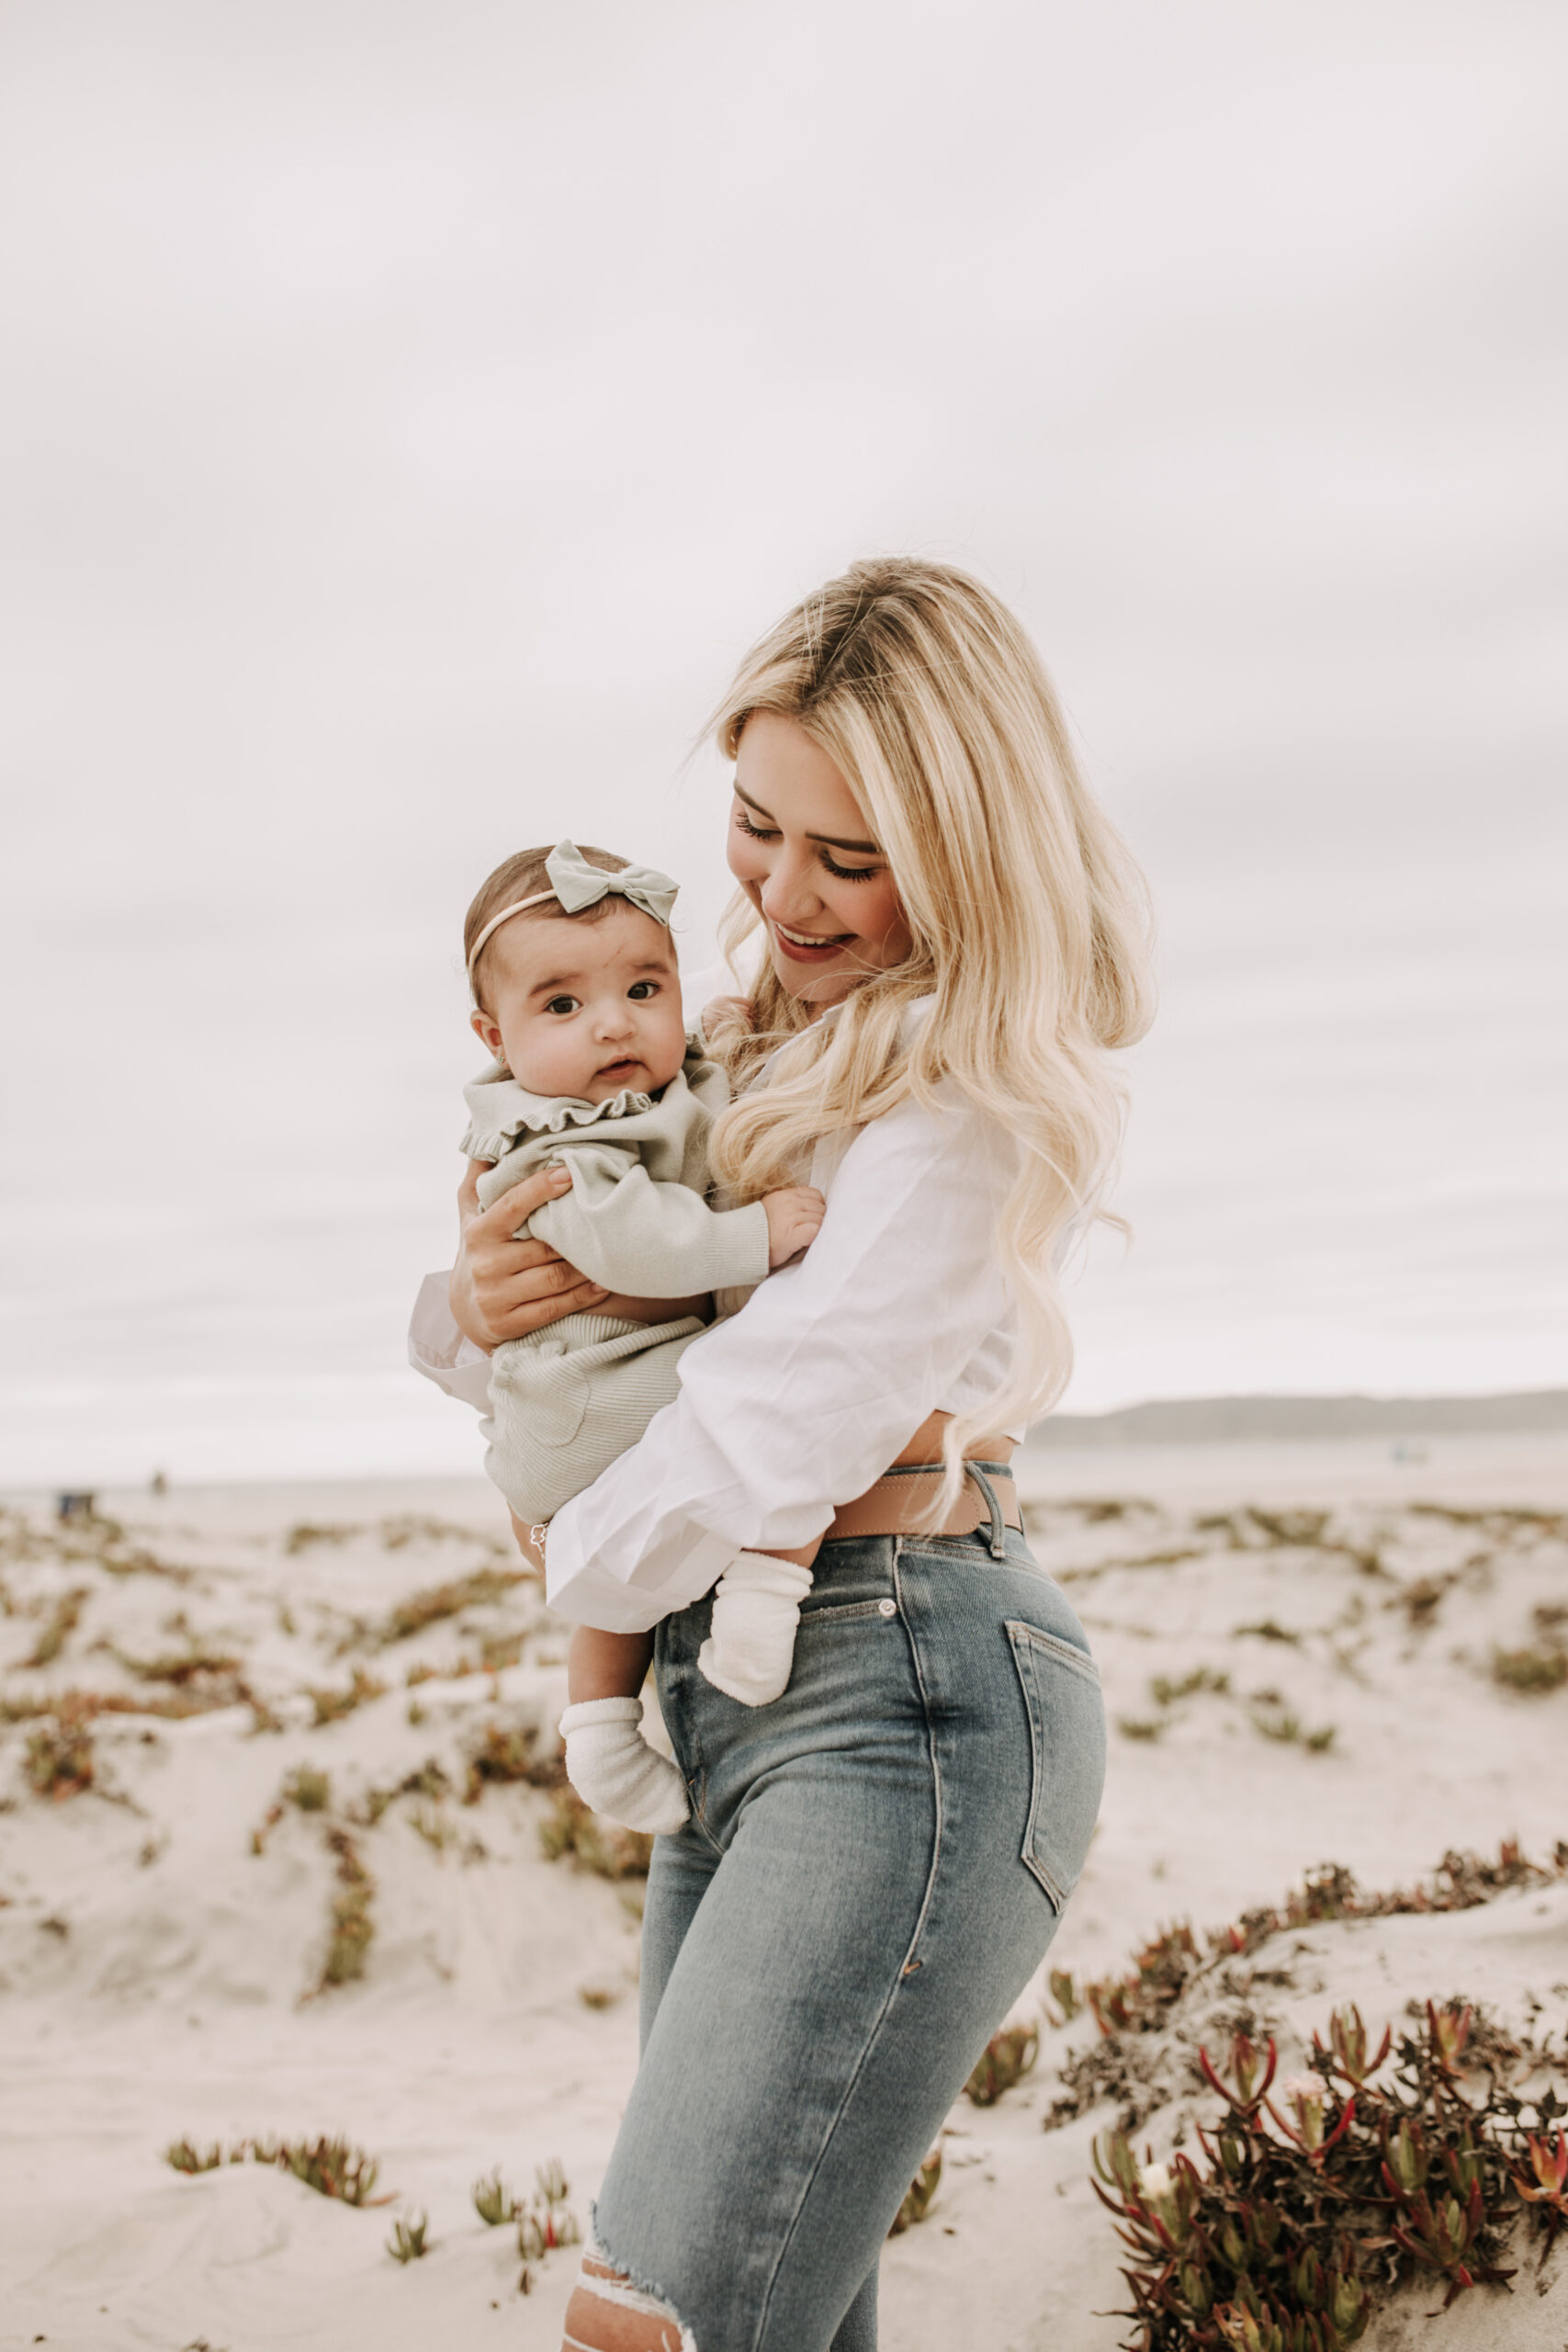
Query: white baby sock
x,y
756,1608
613,1769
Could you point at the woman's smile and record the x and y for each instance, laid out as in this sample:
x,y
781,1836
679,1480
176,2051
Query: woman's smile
x,y
807,949
802,850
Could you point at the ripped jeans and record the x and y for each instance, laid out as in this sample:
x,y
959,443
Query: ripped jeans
x,y
873,1870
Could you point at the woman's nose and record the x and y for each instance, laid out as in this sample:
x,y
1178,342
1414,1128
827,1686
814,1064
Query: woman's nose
x,y
790,893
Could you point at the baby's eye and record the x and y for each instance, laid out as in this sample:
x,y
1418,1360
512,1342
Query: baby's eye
x,y
561,1004
640,990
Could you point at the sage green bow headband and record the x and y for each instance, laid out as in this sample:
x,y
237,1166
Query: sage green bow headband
x,y
575,884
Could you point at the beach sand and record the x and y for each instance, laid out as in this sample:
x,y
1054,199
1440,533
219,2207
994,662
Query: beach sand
x,y
161,1980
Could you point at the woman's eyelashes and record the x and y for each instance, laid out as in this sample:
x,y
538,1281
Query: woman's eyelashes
x,y
849,872
839,873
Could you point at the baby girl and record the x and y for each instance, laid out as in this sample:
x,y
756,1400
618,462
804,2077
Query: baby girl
x,y
577,995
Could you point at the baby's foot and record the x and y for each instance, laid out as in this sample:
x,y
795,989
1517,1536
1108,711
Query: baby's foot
x,y
613,1769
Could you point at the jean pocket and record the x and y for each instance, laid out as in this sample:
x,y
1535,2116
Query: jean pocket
x,y
833,1612
1066,1732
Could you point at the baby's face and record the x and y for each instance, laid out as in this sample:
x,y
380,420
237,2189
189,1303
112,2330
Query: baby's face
x,y
585,1008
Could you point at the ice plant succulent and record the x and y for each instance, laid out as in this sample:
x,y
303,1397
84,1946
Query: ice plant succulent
x,y
1006,2059
409,2242
918,2197
544,2222
1544,2185
1318,2193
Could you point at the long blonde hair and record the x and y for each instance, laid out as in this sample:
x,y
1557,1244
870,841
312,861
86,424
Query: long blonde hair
x,y
1029,919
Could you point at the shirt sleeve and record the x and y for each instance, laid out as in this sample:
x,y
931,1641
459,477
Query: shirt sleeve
x,y
801,1400
439,1350
619,1227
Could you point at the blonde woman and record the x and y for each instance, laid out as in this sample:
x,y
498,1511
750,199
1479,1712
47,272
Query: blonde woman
x,y
875,1863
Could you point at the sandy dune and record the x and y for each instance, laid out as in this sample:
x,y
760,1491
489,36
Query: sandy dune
x,y
163,1980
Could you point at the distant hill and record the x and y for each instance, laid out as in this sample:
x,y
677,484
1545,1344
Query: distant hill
x,y
1228,1420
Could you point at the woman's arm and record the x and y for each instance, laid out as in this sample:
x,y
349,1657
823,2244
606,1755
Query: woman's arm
x,y
800,1401
501,1288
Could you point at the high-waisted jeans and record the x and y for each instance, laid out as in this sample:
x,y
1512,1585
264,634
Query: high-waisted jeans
x,y
873,1870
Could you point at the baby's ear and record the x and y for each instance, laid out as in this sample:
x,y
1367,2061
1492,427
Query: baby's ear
x,y
486,1031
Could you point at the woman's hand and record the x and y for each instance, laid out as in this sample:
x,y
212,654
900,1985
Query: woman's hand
x,y
500,1289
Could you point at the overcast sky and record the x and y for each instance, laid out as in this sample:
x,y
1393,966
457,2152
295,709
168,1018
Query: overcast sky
x,y
408,412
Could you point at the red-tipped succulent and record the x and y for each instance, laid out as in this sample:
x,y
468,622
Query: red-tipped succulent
x,y
1245,2062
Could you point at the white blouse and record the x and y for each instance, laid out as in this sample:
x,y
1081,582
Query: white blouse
x,y
800,1401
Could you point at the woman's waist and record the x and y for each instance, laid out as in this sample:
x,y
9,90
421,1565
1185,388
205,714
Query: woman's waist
x,y
926,1445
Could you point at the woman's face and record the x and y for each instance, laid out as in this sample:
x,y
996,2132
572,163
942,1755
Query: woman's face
x,y
803,853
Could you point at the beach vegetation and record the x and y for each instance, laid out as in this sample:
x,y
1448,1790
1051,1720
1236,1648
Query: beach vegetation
x,y
432,1825
307,1534
1006,2059
427,1779
1279,1724
1532,1671
63,1622
264,1828
352,1926
1064,1993
332,1705
416,1527
60,1758
332,2167
206,1679
1145,1728
1420,1600
409,2240
417,1611
599,1845
309,1790
546,2221
507,1752
1165,1690
918,2197
1305,2210
1139,2001
492,2200
1265,1630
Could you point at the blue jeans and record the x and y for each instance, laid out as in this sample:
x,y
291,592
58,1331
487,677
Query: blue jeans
x,y
873,1870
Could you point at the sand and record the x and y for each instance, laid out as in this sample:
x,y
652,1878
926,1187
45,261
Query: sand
x,y
160,1980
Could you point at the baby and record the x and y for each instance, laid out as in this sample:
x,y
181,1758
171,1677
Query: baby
x,y
577,995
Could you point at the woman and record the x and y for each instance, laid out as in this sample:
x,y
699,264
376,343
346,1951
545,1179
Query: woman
x,y
876,1863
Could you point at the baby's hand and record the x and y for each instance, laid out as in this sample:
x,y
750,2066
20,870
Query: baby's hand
x,y
794,1213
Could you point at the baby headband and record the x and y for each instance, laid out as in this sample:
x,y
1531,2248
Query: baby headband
x,y
575,884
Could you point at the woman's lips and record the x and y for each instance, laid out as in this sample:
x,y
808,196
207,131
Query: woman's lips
x,y
803,949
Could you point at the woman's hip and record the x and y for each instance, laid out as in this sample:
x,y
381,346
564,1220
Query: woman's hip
x,y
935,1691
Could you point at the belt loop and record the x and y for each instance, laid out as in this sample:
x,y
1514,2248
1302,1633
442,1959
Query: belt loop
x,y
998,1529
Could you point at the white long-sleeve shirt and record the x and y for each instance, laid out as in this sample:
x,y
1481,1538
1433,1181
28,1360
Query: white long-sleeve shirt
x,y
799,1402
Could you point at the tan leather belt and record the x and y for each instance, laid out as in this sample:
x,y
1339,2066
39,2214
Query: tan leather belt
x,y
901,1501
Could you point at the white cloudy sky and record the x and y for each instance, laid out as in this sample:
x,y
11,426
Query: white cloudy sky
x,y
410,408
